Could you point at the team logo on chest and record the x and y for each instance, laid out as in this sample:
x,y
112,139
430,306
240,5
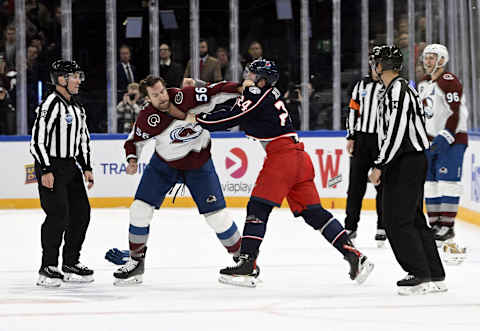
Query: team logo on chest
x,y
179,98
153,120
184,134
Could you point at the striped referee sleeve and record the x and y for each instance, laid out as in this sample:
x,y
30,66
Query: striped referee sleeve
x,y
398,101
84,153
40,141
354,111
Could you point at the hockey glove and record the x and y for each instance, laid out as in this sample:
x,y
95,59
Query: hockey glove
x,y
441,142
117,256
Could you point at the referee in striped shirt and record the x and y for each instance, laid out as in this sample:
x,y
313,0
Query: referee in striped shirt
x,y
362,146
402,167
60,140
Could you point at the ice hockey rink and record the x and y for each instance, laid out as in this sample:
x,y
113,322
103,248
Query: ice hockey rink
x,y
304,286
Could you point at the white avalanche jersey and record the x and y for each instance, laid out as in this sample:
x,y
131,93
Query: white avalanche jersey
x,y
444,106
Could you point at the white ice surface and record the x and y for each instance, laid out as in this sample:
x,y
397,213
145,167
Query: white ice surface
x,y
305,282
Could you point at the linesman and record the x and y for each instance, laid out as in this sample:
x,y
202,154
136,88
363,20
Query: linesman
x,y
402,166
362,146
60,140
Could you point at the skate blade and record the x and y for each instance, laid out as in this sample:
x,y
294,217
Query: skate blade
x,y
366,270
420,289
438,287
132,281
243,281
74,278
381,243
49,282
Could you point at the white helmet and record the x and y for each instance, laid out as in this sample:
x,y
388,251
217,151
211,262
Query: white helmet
x,y
441,52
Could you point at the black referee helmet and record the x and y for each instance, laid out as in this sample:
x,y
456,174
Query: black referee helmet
x,y
64,68
390,57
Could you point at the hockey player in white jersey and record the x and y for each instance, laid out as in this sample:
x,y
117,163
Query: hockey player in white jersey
x,y
446,124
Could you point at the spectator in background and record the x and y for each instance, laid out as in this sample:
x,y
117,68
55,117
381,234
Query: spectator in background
x,y
210,71
170,71
55,34
126,72
255,52
293,100
223,58
8,47
128,108
33,77
7,112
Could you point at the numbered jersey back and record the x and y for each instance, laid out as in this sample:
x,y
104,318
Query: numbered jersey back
x,y
267,116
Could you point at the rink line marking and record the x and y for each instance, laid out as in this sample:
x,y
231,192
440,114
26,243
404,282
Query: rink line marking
x,y
265,309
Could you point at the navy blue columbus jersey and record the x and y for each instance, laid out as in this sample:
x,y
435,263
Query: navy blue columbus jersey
x,y
260,112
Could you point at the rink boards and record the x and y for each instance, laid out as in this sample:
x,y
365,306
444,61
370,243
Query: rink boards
x,y
237,160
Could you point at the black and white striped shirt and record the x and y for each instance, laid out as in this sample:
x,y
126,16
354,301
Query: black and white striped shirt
x,y
401,122
60,131
362,116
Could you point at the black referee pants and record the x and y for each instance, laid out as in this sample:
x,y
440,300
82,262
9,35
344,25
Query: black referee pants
x,y
407,230
365,152
68,213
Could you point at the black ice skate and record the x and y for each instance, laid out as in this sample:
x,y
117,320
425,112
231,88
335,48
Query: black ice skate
x,y
49,276
360,266
444,234
380,238
131,273
413,285
245,273
77,273
256,272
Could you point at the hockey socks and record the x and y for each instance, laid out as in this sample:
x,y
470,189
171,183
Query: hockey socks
x,y
137,238
322,220
225,229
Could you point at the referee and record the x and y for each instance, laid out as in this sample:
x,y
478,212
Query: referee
x,y
402,166
362,146
60,140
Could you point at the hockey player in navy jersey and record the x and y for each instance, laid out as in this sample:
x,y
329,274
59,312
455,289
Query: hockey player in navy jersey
x,y
182,155
262,114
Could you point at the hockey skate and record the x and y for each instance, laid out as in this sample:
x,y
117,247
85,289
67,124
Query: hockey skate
x,y
438,285
77,273
49,276
444,234
381,238
412,285
131,273
360,266
245,273
452,254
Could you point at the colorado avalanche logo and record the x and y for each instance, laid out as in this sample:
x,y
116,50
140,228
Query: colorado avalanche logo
x,y
185,133
428,107
153,120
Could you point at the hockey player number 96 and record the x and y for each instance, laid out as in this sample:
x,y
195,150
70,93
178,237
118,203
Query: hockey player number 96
x,y
284,112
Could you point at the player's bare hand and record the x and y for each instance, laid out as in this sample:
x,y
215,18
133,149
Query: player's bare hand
x,y
188,82
247,83
375,176
88,179
350,144
47,180
132,167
